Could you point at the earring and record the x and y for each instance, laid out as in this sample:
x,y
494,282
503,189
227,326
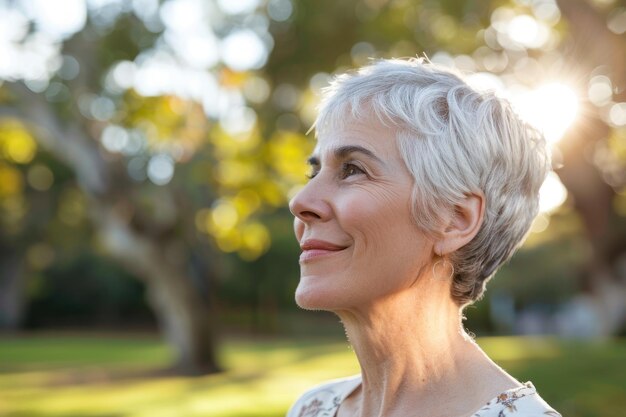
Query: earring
x,y
444,261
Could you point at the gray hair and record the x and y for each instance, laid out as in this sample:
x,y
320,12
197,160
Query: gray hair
x,y
455,141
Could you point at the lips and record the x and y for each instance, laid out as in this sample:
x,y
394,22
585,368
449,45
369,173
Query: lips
x,y
313,249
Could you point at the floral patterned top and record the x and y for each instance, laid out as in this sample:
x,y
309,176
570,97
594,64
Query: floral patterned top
x,y
324,400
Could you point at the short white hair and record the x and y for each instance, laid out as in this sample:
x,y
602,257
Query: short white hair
x,y
455,141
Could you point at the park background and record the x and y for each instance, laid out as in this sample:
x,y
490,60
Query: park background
x,y
147,152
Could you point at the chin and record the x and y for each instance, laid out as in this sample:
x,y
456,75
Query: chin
x,y
309,300
312,296
318,293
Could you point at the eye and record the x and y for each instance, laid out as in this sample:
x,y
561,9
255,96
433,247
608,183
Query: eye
x,y
348,169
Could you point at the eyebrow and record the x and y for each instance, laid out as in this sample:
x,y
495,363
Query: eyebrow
x,y
343,151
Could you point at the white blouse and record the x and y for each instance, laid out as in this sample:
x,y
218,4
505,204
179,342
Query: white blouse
x,y
324,401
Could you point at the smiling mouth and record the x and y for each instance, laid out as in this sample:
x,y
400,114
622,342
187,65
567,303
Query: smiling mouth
x,y
316,249
314,254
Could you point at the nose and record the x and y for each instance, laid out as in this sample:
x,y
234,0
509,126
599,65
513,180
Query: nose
x,y
311,204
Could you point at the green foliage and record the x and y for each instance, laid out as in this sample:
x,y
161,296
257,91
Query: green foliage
x,y
228,195
86,290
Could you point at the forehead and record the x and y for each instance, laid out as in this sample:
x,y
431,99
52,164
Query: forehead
x,y
370,134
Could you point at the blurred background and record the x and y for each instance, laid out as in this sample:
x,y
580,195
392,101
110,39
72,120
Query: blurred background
x,y
147,153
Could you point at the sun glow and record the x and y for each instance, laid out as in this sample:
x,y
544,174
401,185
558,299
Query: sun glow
x,y
552,108
552,194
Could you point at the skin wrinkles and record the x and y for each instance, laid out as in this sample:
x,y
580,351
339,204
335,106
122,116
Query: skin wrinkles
x,y
372,201
349,154
400,318
343,152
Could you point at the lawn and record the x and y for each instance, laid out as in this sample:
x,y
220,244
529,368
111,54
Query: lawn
x,y
114,376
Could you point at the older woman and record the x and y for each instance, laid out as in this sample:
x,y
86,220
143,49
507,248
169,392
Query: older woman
x,y
421,187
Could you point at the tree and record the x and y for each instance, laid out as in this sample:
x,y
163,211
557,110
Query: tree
x,y
125,94
594,183
182,130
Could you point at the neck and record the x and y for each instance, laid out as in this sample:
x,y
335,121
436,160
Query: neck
x,y
413,353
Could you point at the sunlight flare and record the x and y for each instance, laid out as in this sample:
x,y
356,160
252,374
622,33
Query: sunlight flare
x,y
552,194
552,108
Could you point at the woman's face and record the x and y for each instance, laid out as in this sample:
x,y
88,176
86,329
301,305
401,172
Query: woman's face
x,y
353,221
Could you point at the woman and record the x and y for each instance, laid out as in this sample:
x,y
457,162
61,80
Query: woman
x,y
420,189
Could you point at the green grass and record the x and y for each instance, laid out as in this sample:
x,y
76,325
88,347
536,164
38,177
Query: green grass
x,y
106,376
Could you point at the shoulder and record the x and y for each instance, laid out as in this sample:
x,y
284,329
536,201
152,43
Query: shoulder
x,y
518,402
323,399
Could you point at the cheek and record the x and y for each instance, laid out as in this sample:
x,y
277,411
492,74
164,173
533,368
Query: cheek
x,y
386,239
377,220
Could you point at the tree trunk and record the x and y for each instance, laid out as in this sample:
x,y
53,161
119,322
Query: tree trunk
x,y
183,320
184,315
12,298
604,291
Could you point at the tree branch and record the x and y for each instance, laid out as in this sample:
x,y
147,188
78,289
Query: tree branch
x,y
68,143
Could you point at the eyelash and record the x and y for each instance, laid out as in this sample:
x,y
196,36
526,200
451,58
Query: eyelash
x,y
345,167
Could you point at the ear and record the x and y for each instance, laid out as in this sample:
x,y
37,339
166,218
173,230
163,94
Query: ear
x,y
462,225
